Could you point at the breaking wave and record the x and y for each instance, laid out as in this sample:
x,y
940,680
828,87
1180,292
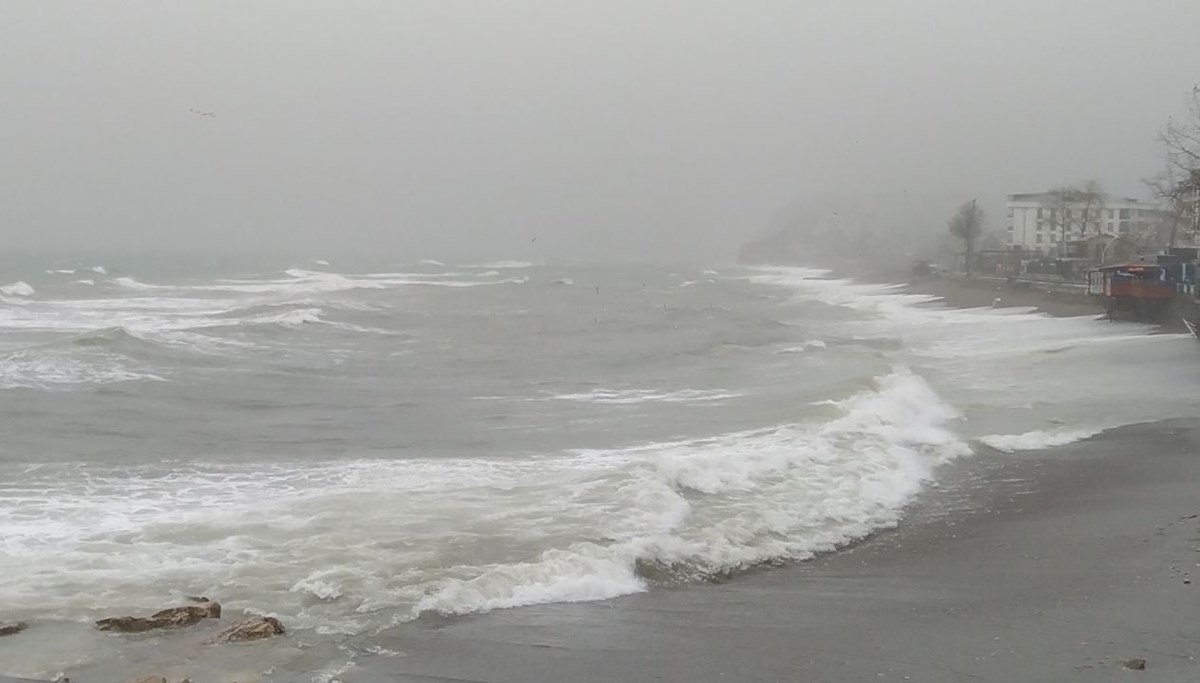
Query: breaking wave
x,y
633,396
1038,439
622,520
17,289
811,489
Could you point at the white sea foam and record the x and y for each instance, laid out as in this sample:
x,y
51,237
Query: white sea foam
x,y
58,370
633,396
431,262
86,281
60,271
17,289
130,283
1037,439
292,318
321,262
99,270
810,345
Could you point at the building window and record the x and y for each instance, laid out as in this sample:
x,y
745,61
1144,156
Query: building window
x,y
1110,214
1039,213
1039,238
1124,214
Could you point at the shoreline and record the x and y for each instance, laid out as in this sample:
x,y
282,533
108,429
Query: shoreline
x,y
962,292
959,291
1061,564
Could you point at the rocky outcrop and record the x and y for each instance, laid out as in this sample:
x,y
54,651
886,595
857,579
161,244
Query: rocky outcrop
x,y
175,617
8,628
251,629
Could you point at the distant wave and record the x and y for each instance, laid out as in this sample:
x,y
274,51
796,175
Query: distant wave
x,y
502,265
17,289
293,318
808,346
130,283
633,396
1037,439
431,262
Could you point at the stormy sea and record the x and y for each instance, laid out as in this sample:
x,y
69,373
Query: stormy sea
x,y
355,447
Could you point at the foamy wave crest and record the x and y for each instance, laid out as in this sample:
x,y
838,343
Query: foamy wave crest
x,y
432,262
99,270
632,396
17,289
1038,439
294,318
130,283
811,345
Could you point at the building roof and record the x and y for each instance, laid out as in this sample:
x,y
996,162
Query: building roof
x,y
1132,266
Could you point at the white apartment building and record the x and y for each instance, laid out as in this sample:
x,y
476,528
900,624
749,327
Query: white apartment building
x,y
1034,225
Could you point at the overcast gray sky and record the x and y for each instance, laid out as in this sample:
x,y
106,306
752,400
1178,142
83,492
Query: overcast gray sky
x,y
643,129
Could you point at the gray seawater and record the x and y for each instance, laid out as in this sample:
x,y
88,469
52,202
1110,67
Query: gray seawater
x,y
351,447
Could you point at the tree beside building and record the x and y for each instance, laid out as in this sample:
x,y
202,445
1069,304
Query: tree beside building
x,y
967,225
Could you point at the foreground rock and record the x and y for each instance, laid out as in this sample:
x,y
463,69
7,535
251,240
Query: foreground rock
x,y
175,617
1138,664
251,629
9,628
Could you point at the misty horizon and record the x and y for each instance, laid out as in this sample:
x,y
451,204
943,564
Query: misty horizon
x,y
546,131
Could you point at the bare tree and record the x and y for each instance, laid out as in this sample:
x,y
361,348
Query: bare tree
x,y
1070,207
967,225
1179,184
1181,138
1177,199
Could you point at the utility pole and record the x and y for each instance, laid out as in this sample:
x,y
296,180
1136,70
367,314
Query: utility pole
x,y
972,233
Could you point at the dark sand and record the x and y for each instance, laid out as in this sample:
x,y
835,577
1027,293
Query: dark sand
x,y
1051,566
